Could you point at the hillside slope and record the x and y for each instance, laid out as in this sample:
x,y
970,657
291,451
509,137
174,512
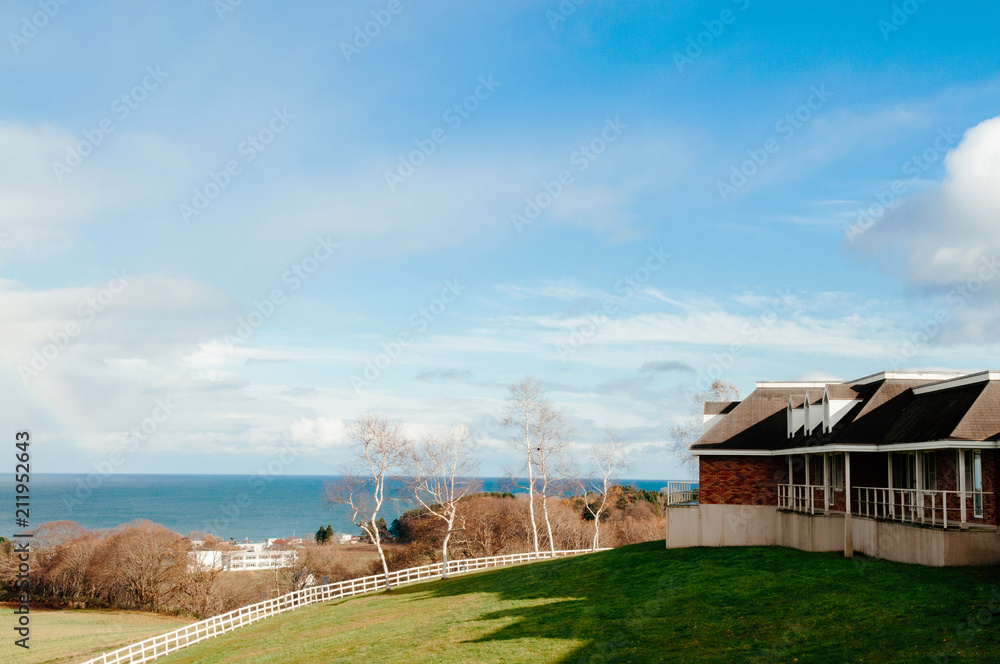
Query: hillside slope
x,y
64,636
645,604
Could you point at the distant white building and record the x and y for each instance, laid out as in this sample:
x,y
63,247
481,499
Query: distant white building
x,y
253,556
209,559
251,560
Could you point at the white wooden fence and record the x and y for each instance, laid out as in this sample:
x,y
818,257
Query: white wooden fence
x,y
164,644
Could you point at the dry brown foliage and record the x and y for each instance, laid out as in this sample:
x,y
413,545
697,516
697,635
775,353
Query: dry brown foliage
x,y
488,525
338,562
135,566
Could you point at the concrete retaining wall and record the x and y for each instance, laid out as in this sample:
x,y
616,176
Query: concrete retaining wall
x,y
810,533
761,525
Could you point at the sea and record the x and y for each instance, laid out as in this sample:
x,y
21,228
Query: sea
x,y
242,507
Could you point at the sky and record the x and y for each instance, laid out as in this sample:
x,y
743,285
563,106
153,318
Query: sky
x,y
229,228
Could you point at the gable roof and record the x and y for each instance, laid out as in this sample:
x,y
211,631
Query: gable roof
x,y
755,420
888,411
881,405
982,419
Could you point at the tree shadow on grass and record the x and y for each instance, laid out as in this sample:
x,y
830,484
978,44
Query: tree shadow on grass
x,y
611,601
643,603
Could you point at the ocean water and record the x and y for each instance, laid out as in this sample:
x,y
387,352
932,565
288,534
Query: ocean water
x,y
238,506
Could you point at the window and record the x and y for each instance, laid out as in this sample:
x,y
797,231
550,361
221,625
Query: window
x,y
930,471
818,472
904,470
837,471
974,479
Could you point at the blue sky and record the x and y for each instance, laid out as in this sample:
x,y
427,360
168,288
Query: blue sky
x,y
650,264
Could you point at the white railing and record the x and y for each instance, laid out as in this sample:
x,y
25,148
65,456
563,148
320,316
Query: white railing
x,y
263,560
933,508
164,644
807,498
679,493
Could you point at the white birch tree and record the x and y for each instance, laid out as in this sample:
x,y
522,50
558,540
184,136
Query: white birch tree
x,y
379,448
609,460
442,470
536,427
553,467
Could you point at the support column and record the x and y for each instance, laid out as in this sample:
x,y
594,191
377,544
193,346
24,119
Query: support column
x,y
791,484
808,488
961,485
848,526
918,482
826,483
891,508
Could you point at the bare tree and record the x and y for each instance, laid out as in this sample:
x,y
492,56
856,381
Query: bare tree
x,y
684,435
379,449
608,459
68,564
534,426
140,566
442,470
492,526
553,468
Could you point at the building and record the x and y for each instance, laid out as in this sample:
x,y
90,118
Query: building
x,y
896,465
251,556
254,560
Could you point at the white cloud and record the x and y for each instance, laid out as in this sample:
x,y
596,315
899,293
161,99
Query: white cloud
x,y
320,432
127,316
946,240
939,238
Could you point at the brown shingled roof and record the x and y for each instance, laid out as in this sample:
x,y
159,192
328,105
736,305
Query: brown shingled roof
x,y
884,402
982,421
933,415
841,391
888,412
757,422
719,407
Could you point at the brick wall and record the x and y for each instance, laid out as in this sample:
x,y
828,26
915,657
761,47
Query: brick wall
x,y
740,480
946,462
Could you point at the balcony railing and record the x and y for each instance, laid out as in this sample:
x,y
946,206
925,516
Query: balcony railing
x,y
681,493
918,506
933,508
806,498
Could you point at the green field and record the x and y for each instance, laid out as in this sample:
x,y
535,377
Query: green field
x,y
74,636
645,604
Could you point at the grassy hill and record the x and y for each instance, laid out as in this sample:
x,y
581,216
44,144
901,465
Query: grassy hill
x,y
59,637
645,604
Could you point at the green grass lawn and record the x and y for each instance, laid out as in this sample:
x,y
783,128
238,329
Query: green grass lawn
x,y
646,604
75,636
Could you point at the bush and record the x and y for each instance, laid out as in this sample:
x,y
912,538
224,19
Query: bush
x,y
135,566
496,523
337,562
